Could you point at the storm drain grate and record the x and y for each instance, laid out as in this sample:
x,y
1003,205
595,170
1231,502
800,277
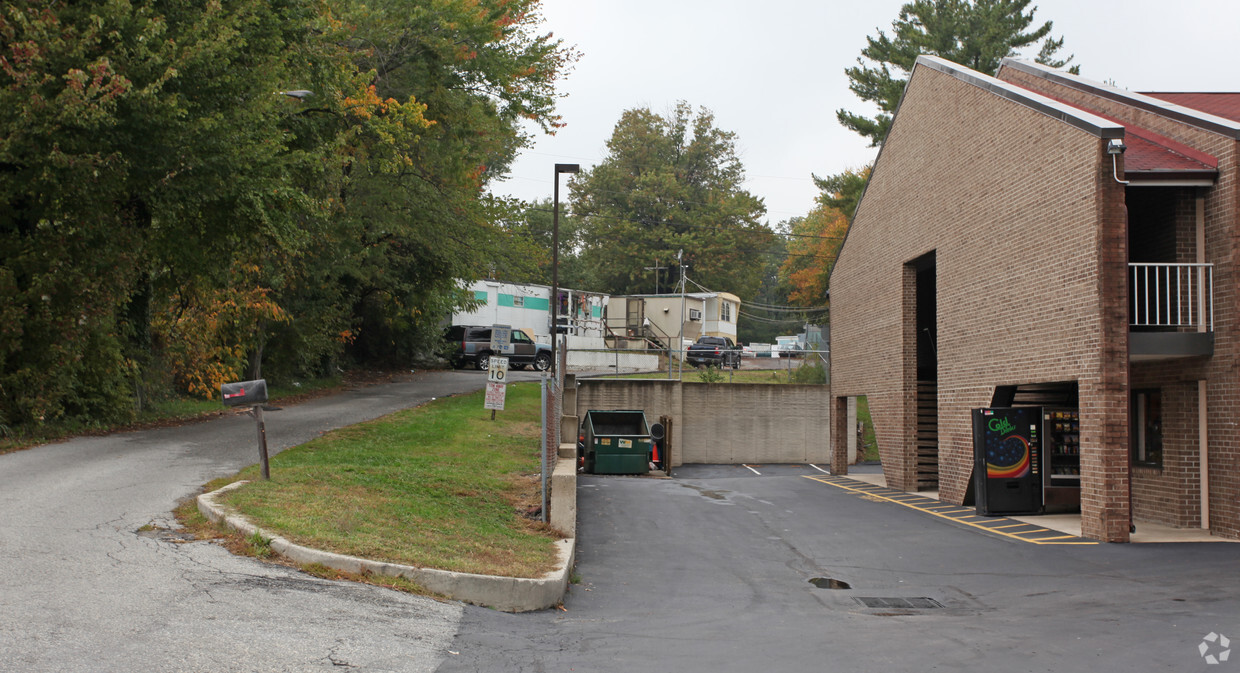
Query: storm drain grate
x,y
898,603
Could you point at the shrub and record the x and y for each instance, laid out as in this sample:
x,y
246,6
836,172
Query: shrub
x,y
810,372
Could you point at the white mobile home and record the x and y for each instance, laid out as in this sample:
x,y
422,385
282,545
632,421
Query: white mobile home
x,y
528,308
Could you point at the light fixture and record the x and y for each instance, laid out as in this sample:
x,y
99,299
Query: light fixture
x,y
555,262
1116,147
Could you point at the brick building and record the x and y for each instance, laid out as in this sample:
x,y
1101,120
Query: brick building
x,y
1039,238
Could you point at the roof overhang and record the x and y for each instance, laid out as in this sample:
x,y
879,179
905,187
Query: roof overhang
x,y
1171,179
1180,113
1092,123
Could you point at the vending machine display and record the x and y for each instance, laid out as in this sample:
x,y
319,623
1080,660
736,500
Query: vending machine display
x,y
1007,451
1062,476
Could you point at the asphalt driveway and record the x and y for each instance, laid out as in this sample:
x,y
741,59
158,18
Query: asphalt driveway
x,y
92,580
725,569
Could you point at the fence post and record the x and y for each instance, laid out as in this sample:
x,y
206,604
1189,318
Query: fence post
x,y
545,431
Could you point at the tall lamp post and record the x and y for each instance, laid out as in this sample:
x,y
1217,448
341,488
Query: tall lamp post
x,y
555,259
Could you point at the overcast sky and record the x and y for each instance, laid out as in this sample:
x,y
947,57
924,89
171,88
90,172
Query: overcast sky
x,y
773,73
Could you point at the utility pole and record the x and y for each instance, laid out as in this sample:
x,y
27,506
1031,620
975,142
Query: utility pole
x,y
680,340
656,269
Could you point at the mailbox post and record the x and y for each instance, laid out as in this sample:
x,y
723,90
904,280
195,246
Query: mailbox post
x,y
251,394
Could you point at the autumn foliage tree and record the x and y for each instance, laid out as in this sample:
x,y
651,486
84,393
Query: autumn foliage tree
x,y
167,218
140,148
814,240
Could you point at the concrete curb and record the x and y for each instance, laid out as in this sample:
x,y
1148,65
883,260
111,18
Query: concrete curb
x,y
510,594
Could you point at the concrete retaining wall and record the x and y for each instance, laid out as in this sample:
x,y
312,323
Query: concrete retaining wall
x,y
592,353
612,360
725,423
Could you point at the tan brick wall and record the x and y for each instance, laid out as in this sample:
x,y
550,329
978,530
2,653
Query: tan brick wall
x,y
1223,405
1008,199
1170,494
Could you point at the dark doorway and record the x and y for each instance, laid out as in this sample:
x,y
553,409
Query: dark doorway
x,y
926,311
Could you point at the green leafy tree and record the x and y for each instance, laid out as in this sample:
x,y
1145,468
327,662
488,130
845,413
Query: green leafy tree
x,y
843,190
415,209
165,215
978,34
814,241
670,183
141,147
756,322
527,258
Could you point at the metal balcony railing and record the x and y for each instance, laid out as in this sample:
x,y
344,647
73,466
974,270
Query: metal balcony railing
x,y
1172,295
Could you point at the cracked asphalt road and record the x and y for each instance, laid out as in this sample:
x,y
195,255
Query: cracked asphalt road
x,y
82,589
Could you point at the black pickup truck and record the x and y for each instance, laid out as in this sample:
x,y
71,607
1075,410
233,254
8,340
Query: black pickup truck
x,y
714,351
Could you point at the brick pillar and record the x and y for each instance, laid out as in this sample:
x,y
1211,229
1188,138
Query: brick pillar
x,y
902,474
839,436
1105,469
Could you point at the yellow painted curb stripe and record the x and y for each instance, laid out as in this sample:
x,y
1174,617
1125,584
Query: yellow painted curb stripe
x,y
832,481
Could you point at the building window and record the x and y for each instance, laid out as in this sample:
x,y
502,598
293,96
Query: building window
x,y
1147,434
518,301
725,311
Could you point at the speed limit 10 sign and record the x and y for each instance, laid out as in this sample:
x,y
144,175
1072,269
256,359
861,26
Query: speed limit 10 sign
x,y
497,370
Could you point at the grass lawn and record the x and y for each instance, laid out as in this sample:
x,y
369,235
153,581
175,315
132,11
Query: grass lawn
x,y
868,448
439,486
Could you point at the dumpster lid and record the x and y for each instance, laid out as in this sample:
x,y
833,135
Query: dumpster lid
x,y
617,422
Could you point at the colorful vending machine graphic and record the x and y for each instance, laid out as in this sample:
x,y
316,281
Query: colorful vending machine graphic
x,y
1007,450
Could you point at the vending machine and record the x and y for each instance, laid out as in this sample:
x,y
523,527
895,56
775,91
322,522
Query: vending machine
x,y
1007,454
1061,469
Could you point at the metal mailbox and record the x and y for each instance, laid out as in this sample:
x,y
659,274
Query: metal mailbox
x,y
244,393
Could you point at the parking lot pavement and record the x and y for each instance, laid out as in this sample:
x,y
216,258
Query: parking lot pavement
x,y
724,568
689,472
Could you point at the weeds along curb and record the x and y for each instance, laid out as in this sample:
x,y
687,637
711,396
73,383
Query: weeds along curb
x,y
510,594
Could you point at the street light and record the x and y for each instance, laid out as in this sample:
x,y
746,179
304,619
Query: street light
x,y
555,259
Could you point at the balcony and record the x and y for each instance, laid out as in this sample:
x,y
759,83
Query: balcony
x,y
1172,311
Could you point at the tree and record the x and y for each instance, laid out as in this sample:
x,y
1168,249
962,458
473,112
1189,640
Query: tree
x,y
416,209
670,183
978,34
162,210
843,191
526,256
140,148
757,321
814,241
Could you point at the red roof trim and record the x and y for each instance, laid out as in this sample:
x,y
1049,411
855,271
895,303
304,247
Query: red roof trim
x,y
1188,115
1225,104
1178,148
1156,154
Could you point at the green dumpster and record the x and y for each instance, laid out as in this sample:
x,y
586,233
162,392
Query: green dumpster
x,y
616,442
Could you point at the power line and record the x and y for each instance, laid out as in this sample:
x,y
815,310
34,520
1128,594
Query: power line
x,y
786,309
770,321
614,236
674,223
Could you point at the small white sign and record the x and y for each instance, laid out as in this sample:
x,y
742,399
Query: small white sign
x,y
501,339
497,370
495,396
